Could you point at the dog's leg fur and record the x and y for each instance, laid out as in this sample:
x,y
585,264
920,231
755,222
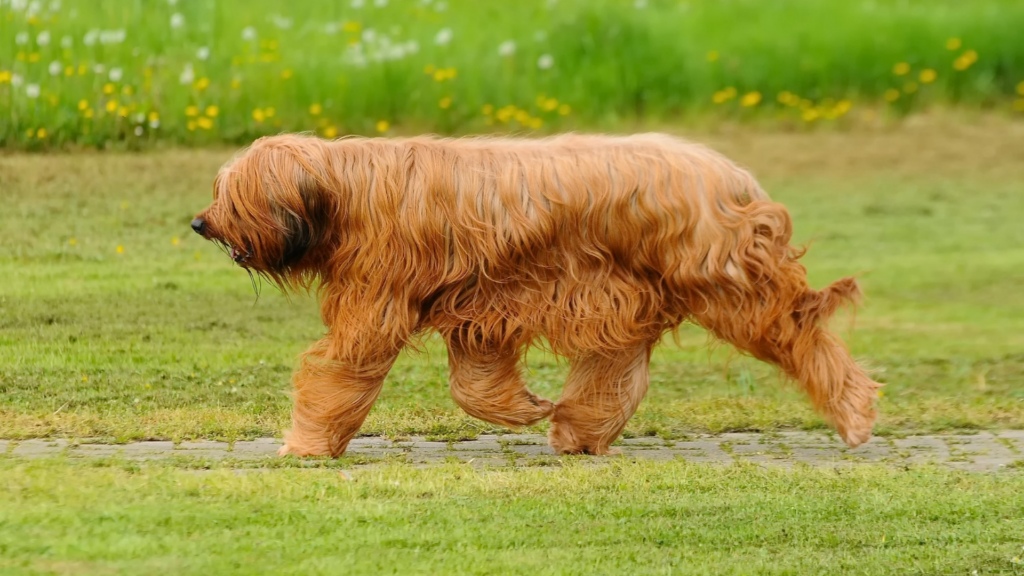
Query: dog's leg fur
x,y
600,395
332,398
487,384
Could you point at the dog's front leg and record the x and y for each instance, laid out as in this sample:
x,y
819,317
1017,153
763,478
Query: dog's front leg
x,y
333,395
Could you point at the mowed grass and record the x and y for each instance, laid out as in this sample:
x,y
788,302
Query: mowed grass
x,y
618,517
117,322
105,73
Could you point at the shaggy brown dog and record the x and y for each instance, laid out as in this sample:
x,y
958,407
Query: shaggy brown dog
x,y
598,244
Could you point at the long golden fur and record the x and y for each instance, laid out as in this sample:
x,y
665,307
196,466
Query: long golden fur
x,y
597,244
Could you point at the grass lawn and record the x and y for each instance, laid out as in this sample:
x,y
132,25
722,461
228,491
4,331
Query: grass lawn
x,y
117,322
619,517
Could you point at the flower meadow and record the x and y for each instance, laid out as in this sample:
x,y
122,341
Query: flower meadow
x,y
101,73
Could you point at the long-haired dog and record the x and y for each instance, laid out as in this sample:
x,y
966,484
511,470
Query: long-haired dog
x,y
597,244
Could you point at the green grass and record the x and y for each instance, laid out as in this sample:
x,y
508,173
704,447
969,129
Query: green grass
x,y
167,340
620,517
132,74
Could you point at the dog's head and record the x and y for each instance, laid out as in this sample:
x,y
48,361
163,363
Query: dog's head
x,y
270,208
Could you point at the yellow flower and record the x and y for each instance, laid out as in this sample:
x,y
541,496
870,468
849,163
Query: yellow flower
x,y
34,57
112,106
953,44
536,123
428,69
202,84
5,76
108,88
522,116
315,109
352,27
85,378
723,96
1018,104
965,60
272,44
910,87
330,132
153,116
236,83
73,241
270,111
83,104
1020,88
29,133
87,113
69,71
120,249
258,115
549,105
713,56
445,103
82,69
564,110
286,73
927,76
489,109
842,107
41,133
901,69
20,56
892,95
191,125
205,123
122,112
809,115
439,75
212,110
191,111
382,126
175,241
751,99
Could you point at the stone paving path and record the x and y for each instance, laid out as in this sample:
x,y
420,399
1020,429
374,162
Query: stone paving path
x,y
982,452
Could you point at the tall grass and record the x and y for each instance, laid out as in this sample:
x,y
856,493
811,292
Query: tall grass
x,y
96,72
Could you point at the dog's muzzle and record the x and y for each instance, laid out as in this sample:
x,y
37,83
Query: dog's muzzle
x,y
199,225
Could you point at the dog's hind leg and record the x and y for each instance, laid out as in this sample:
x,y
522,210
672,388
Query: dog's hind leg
x,y
601,394
486,382
331,399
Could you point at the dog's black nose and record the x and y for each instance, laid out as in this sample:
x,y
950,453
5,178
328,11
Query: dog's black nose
x,y
199,225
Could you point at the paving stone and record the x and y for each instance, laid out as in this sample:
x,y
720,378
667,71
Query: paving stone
x,y
258,448
371,442
539,439
207,445
642,442
39,448
922,449
491,445
530,449
5,446
1015,438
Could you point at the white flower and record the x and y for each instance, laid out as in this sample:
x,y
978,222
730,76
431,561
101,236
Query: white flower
x,y
203,53
441,6
369,35
32,90
248,33
115,74
112,36
55,68
21,38
67,42
640,4
99,69
16,80
540,35
188,75
138,130
44,38
357,4
139,118
331,28
90,37
55,6
280,21
412,47
507,48
154,124
380,3
18,5
545,61
444,36
177,20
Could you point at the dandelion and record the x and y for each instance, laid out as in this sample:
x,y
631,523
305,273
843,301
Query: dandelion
x,y
85,378
5,76
315,109
842,107
892,95
1020,88
248,34
382,126
191,125
154,119
901,69
444,36
191,111
83,104
32,91
506,48
41,133
55,68
535,123
713,56
203,53
175,241
236,83
545,62
330,132
351,27
910,87
750,99
270,111
82,69
120,249
965,60
202,84
34,57
549,104
74,242
445,103
953,44
111,106
927,76
123,112
286,73
1018,105
212,110
258,115
809,115
44,38
564,110
126,90
205,123
177,20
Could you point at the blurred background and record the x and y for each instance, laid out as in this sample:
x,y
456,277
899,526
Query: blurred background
x,y
131,73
